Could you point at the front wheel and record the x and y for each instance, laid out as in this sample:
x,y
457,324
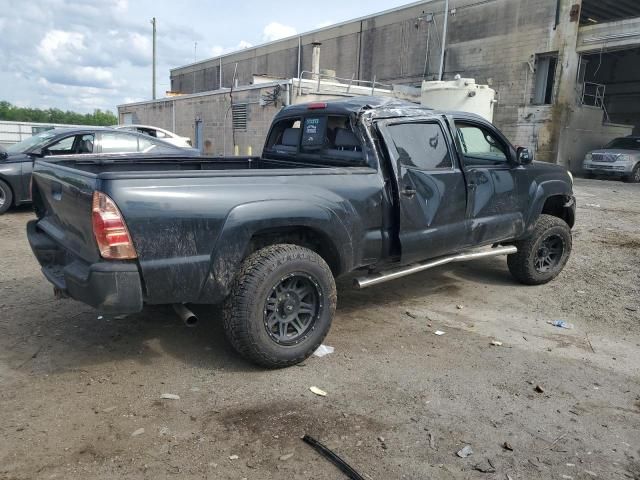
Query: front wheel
x,y
543,255
6,197
281,305
634,176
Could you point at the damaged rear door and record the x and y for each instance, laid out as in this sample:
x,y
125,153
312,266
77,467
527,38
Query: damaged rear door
x,y
431,187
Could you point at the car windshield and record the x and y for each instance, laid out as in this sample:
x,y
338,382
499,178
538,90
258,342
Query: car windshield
x,y
625,144
31,142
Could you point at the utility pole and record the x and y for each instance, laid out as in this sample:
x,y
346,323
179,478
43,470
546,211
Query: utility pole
x,y
153,87
195,52
444,37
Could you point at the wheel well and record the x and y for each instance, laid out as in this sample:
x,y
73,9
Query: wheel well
x,y
303,236
556,206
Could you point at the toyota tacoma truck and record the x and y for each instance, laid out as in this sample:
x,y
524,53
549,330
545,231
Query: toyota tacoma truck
x,y
370,187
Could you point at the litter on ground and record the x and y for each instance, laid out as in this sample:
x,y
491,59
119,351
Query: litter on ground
x,y
561,324
318,391
323,350
170,396
465,451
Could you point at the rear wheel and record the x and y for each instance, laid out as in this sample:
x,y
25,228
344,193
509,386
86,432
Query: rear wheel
x,y
543,255
281,305
634,176
6,197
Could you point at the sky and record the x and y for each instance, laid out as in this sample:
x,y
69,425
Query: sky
x,y
81,55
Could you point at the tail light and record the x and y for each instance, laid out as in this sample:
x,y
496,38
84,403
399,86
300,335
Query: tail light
x,y
316,106
112,236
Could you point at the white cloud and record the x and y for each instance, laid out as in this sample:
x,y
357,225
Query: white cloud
x,y
276,31
59,46
218,50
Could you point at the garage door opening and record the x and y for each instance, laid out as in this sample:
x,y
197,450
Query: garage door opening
x,y
611,81
601,11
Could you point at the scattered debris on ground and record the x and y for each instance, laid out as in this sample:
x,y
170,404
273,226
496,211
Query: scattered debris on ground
x,y
323,350
465,451
318,391
170,396
485,467
561,324
333,458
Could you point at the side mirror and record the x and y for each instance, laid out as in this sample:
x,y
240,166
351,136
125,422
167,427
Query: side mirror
x,y
3,155
524,155
37,152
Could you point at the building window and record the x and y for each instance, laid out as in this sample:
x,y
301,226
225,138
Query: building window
x,y
239,115
545,79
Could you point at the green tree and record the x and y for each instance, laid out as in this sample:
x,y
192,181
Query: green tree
x,y
55,115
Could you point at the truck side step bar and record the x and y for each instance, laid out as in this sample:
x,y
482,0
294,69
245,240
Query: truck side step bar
x,y
364,282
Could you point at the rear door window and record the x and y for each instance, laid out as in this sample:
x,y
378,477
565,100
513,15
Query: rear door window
x,y
119,143
421,145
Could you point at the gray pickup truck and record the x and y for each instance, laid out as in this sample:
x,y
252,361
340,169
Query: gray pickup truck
x,y
372,187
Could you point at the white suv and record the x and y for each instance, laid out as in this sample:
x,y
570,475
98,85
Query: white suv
x,y
620,158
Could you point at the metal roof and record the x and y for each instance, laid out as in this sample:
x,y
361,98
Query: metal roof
x,y
599,11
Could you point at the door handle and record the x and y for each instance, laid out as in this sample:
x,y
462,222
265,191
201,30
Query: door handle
x,y
408,191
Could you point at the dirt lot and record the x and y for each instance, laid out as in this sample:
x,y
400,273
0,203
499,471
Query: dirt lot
x,y
401,400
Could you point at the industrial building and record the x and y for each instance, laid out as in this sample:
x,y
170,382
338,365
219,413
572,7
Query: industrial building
x,y
565,72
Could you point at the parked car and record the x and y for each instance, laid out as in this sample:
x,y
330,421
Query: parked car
x,y
160,133
16,161
374,187
619,158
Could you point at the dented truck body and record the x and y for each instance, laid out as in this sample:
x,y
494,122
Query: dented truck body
x,y
362,196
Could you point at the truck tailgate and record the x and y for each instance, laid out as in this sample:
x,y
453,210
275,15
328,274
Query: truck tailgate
x,y
63,199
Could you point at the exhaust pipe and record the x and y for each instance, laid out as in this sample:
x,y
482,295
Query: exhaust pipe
x,y
187,316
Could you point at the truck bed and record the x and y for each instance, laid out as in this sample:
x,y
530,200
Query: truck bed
x,y
101,165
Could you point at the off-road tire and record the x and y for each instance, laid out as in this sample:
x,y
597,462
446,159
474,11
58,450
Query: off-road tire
x,y
7,196
522,264
634,176
244,309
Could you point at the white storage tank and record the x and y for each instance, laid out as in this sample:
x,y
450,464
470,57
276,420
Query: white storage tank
x,y
461,94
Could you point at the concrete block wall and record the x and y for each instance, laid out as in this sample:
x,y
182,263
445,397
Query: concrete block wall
x,y
214,112
492,41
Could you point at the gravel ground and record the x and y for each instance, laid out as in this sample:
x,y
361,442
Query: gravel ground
x,y
77,390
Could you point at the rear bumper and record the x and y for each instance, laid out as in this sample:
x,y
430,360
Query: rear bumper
x,y
110,287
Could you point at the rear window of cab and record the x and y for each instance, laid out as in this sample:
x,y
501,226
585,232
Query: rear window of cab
x,y
318,138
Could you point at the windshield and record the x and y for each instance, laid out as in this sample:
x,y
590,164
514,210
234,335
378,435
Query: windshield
x,y
625,144
31,142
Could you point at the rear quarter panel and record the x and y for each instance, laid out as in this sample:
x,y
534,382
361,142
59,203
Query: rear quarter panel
x,y
191,233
